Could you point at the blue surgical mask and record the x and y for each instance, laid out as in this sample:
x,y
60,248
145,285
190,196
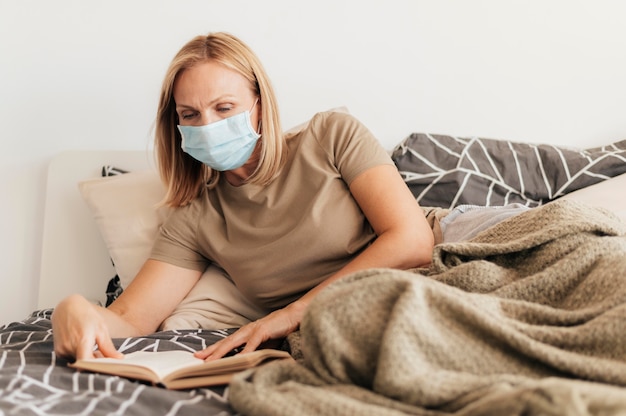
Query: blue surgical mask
x,y
223,145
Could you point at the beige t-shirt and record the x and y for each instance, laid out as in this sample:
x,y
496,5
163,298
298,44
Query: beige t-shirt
x,y
278,241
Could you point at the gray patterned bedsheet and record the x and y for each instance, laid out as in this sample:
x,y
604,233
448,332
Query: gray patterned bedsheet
x,y
33,381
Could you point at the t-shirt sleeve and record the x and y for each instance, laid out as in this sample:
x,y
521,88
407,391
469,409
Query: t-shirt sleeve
x,y
177,240
352,148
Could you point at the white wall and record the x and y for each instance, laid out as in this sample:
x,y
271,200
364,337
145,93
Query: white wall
x,y
86,74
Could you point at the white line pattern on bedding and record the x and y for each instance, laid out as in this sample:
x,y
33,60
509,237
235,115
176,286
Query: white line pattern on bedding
x,y
33,381
446,171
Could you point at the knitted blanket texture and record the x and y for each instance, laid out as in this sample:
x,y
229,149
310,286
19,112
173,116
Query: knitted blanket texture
x,y
527,318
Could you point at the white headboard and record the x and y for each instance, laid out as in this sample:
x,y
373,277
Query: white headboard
x,y
74,256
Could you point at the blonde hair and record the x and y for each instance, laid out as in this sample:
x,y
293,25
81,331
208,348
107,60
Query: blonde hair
x,y
185,177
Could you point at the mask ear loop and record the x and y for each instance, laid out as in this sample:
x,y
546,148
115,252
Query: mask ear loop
x,y
258,127
254,105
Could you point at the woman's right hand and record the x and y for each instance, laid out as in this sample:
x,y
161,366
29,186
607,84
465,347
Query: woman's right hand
x,y
83,330
78,327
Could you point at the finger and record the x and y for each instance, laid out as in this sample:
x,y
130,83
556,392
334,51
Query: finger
x,y
62,352
220,349
208,350
251,339
84,350
253,343
223,347
106,347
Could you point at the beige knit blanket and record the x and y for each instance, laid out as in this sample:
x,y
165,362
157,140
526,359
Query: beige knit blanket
x,y
528,318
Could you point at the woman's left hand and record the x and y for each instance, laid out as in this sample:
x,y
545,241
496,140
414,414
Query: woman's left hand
x,y
274,326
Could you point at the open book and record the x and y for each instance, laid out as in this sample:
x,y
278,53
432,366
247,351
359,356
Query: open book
x,y
178,369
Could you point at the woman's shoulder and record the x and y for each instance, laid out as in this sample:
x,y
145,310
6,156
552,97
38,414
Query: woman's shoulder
x,y
322,120
332,117
190,211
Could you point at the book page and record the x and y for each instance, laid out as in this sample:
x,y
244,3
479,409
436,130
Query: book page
x,y
168,368
160,364
230,364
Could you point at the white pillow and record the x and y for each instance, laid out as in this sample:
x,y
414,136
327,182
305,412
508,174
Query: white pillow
x,y
126,212
607,194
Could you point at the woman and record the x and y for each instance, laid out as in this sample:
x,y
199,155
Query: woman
x,y
282,217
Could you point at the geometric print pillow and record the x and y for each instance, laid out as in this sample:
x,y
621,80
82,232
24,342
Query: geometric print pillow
x,y
446,171
114,286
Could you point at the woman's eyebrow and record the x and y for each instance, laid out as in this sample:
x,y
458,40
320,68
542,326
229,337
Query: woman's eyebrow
x,y
210,103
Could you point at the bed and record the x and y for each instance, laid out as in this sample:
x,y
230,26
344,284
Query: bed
x,y
529,317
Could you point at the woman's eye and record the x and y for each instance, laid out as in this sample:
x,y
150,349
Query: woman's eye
x,y
224,109
187,116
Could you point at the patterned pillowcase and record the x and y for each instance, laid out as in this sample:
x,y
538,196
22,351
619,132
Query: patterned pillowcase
x,y
114,285
446,171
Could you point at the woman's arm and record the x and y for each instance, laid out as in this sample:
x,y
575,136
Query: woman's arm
x,y
404,240
78,325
